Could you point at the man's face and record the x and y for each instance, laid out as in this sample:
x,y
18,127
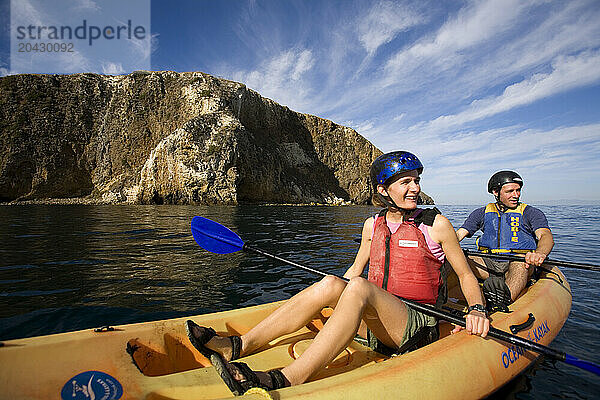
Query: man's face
x,y
509,194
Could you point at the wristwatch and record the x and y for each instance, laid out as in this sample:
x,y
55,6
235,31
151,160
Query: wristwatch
x,y
477,307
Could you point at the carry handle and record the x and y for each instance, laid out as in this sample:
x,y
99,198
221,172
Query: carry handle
x,y
525,325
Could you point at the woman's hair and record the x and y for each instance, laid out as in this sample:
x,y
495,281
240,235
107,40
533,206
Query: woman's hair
x,y
376,201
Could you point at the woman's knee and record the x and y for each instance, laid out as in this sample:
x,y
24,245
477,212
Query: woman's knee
x,y
358,286
357,291
330,287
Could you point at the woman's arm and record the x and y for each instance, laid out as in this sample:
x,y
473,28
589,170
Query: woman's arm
x,y
443,233
364,251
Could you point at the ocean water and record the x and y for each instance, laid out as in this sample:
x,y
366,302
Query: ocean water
x,y
74,267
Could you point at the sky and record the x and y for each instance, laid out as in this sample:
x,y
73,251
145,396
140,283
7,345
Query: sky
x,y
470,87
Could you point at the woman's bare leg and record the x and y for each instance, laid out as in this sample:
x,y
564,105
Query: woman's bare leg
x,y
383,312
291,316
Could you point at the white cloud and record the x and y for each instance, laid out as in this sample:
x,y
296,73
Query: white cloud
x,y
535,147
111,68
86,6
283,77
364,128
569,29
141,50
567,73
473,25
467,54
469,65
25,11
303,63
542,157
384,21
131,54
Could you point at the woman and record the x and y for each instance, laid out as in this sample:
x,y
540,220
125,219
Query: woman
x,y
405,257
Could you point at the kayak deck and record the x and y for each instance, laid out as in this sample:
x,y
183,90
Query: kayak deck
x,y
176,354
155,360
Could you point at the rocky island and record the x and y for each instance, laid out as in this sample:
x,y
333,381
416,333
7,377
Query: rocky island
x,y
170,138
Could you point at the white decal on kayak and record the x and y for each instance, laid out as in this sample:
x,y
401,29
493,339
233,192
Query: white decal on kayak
x,y
92,385
408,243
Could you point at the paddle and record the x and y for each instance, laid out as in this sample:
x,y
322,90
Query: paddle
x,y
512,257
216,238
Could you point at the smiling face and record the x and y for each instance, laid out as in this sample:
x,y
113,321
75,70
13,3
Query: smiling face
x,y
404,190
509,194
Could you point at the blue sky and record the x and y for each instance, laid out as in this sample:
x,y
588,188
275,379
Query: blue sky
x,y
471,87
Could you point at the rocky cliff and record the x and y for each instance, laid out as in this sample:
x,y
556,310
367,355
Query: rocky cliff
x,y
166,137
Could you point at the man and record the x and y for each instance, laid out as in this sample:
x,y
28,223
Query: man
x,y
508,226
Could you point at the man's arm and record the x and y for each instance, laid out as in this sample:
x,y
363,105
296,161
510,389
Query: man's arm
x,y
461,233
544,247
541,229
472,224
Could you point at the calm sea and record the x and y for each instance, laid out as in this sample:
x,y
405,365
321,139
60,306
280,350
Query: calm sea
x,y
66,268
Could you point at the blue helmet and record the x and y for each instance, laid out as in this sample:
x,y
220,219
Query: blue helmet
x,y
388,165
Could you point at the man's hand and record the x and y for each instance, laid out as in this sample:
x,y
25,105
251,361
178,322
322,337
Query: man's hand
x,y
534,258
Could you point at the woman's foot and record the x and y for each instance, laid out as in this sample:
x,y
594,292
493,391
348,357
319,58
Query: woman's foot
x,y
208,343
239,378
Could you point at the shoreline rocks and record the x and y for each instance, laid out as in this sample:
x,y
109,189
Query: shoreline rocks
x,y
170,138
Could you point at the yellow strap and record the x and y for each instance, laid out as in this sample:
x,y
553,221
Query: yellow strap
x,y
505,251
491,207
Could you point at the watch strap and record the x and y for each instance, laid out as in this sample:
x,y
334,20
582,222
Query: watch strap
x,y
477,307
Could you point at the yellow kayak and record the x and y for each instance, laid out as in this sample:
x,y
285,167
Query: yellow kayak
x,y
155,360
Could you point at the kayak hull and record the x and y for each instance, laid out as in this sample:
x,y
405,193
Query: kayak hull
x,y
155,360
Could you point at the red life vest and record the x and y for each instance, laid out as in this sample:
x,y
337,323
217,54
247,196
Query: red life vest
x,y
402,263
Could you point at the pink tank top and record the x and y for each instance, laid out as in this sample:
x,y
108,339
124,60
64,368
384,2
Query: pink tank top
x,y
434,247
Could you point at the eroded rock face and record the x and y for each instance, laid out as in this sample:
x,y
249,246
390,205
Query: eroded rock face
x,y
166,137
194,164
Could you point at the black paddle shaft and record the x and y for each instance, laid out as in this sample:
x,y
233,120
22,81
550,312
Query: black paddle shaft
x,y
512,257
283,260
494,332
434,312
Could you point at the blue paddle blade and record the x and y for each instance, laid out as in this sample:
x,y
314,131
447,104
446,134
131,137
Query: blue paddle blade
x,y
214,237
587,365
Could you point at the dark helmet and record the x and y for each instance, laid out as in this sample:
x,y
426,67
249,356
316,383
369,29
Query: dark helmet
x,y
388,165
501,178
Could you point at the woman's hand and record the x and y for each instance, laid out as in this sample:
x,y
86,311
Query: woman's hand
x,y
477,323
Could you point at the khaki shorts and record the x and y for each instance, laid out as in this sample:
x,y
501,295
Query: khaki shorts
x,y
415,322
496,267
